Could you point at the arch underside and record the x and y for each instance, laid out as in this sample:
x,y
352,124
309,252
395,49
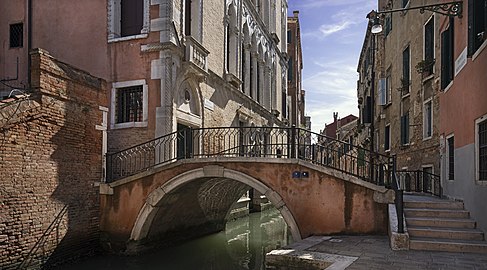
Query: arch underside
x,y
195,204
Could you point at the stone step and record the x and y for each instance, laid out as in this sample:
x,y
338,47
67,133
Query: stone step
x,y
448,245
441,213
434,204
440,222
446,233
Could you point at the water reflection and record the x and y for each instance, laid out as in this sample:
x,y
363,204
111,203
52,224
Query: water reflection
x,y
242,245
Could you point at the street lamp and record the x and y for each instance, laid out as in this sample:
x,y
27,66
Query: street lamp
x,y
450,9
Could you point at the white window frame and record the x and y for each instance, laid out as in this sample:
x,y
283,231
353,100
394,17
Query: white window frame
x,y
114,25
477,145
145,103
425,136
448,157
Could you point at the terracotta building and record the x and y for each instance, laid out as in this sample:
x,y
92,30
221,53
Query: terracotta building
x,y
463,107
296,94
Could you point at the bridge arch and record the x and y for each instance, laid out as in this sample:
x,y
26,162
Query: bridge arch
x,y
149,211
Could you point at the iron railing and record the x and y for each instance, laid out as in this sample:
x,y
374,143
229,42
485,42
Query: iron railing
x,y
420,181
254,142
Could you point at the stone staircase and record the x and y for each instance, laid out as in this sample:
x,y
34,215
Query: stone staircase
x,y
441,225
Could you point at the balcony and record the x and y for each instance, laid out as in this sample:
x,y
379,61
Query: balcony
x,y
196,56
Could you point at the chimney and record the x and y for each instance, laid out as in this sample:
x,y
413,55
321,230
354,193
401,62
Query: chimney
x,y
335,116
296,13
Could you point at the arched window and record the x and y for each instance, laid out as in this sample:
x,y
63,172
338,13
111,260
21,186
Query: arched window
x,y
231,40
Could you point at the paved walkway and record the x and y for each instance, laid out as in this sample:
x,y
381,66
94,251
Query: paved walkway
x,y
373,252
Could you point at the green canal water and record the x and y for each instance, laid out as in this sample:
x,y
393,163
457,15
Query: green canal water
x,y
242,245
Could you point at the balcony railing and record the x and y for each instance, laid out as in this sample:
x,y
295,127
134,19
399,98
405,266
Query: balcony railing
x,y
196,54
252,142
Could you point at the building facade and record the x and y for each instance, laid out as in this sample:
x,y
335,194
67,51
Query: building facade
x,y
398,87
421,95
169,64
165,65
296,94
463,108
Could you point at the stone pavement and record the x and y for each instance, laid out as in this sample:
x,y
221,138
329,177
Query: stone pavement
x,y
373,252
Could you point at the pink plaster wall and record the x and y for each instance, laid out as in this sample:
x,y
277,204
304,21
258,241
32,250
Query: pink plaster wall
x,y
466,100
321,204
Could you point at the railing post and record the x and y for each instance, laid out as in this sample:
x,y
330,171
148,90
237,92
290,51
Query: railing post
x,y
392,176
399,210
293,141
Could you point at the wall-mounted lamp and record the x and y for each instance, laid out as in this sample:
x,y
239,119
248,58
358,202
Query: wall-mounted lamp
x,y
450,9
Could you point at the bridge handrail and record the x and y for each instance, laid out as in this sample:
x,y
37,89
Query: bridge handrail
x,y
268,142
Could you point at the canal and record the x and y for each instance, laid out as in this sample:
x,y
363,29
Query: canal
x,y
242,245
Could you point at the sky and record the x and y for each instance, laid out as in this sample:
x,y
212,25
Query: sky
x,y
332,34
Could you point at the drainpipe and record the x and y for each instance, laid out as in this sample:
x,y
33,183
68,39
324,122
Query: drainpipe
x,y
29,41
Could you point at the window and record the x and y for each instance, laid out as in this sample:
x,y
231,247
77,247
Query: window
x,y
429,46
243,67
406,74
132,17
16,35
290,70
128,18
405,129
477,24
405,3
447,62
367,111
129,104
284,104
482,150
385,91
427,120
387,138
289,36
451,157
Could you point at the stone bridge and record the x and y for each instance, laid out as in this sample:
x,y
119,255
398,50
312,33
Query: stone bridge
x,y
183,185
191,198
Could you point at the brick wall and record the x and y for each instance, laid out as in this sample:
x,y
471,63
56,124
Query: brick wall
x,y
50,158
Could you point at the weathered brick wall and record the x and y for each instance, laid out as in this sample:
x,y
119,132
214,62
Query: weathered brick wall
x,y
50,157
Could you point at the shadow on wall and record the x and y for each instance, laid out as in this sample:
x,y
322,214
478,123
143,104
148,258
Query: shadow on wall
x,y
59,163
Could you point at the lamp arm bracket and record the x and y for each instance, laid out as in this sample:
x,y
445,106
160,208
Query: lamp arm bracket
x,y
450,9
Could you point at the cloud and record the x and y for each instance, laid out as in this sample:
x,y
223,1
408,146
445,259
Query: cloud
x,y
310,4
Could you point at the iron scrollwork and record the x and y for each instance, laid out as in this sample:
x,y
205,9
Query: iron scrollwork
x,y
449,9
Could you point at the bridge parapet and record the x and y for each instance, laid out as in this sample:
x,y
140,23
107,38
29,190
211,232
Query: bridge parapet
x,y
255,142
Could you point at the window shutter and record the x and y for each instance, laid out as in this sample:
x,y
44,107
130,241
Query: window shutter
x,y
367,111
406,128
405,64
382,92
444,58
471,38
